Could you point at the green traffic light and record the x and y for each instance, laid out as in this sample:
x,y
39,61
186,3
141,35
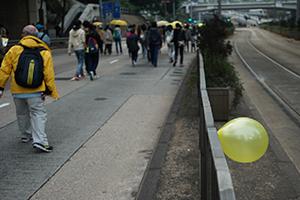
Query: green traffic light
x,y
190,19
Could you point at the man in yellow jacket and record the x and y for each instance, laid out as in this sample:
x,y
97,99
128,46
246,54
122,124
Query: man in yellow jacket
x,y
29,102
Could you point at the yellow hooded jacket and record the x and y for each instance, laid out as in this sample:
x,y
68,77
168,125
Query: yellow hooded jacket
x,y
10,62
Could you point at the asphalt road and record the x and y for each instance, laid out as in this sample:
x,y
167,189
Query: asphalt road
x,y
276,174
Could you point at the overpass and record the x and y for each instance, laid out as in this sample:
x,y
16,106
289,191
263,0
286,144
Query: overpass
x,y
292,6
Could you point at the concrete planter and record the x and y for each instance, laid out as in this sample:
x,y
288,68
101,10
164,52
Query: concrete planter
x,y
297,35
291,34
219,101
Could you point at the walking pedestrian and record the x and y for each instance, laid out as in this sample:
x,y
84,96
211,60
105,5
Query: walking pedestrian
x,y
57,30
100,32
132,43
127,34
2,50
179,42
154,41
117,38
29,98
142,39
188,36
92,43
193,41
169,36
108,39
3,31
43,36
77,40
145,40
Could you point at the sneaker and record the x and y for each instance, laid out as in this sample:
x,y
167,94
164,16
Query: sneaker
x,y
77,78
133,63
92,76
96,77
181,65
174,64
25,140
81,75
43,148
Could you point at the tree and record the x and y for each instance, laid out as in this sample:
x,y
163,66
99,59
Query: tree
x,y
219,72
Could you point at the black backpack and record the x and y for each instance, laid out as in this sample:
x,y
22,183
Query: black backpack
x,y
154,36
30,68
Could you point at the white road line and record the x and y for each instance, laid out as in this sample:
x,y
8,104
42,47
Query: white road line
x,y
3,105
114,61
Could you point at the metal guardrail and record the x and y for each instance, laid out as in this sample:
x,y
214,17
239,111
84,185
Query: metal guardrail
x,y
55,42
215,177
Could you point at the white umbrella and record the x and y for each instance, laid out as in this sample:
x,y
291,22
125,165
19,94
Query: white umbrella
x,y
161,23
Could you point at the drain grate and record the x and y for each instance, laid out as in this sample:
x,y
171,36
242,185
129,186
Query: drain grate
x,y
128,73
63,78
100,99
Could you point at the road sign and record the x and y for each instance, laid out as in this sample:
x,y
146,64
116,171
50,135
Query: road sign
x,y
117,9
107,10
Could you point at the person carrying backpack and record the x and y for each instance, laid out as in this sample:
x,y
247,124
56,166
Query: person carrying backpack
x,y
132,43
154,40
93,42
117,39
30,66
43,36
127,34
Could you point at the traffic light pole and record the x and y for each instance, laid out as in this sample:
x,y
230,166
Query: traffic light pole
x,y
219,9
165,9
101,11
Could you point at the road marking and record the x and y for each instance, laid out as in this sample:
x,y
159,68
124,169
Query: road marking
x,y
3,105
114,61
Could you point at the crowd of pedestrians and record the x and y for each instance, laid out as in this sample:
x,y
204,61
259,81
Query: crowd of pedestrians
x,y
150,39
33,53
89,41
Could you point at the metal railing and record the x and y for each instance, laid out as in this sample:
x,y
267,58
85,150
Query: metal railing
x,y
215,177
55,42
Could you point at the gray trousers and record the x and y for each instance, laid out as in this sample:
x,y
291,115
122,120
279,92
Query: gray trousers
x,y
31,116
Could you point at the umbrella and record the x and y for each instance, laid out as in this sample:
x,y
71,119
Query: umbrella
x,y
200,24
173,24
98,23
161,23
118,22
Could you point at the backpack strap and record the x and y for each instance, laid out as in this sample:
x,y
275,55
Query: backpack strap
x,y
39,48
43,36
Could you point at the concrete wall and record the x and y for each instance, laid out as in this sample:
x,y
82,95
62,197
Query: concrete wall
x,y
15,14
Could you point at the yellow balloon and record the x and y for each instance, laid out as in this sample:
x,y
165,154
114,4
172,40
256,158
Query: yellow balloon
x,y
244,139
